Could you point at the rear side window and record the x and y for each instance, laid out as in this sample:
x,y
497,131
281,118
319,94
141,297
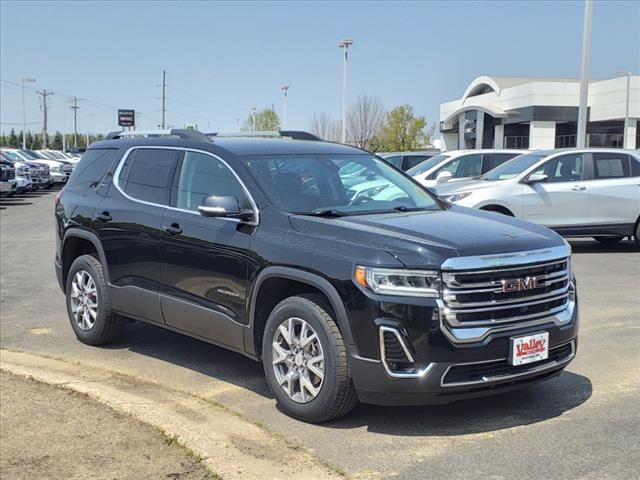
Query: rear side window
x,y
395,160
610,165
635,167
148,174
411,161
92,168
492,160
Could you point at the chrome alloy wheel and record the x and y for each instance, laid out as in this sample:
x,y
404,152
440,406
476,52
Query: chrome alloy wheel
x,y
298,361
84,300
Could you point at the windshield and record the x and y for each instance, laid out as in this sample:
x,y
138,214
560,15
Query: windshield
x,y
57,155
11,155
336,184
427,165
513,167
29,155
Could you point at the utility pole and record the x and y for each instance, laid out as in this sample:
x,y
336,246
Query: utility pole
x,y
253,117
45,107
164,88
581,138
75,108
24,113
64,129
284,110
346,43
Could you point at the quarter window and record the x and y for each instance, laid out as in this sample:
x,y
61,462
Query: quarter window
x,y
202,176
147,174
610,165
395,160
91,169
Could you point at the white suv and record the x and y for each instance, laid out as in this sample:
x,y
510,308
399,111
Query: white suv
x,y
578,192
458,164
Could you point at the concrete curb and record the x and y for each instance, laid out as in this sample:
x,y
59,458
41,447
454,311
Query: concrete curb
x,y
228,444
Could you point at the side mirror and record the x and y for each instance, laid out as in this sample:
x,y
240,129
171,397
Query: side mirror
x,y
225,207
536,178
443,177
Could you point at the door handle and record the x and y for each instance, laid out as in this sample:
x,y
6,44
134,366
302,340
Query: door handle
x,y
103,217
173,229
578,188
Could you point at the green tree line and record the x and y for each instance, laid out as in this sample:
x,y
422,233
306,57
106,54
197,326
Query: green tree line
x,y
34,140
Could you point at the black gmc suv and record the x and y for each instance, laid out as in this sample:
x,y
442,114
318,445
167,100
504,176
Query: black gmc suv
x,y
253,244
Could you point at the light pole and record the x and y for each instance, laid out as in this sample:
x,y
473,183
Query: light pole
x,y
253,117
626,111
284,111
581,137
24,112
345,44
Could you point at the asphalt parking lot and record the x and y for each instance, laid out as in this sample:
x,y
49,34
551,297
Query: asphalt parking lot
x,y
584,424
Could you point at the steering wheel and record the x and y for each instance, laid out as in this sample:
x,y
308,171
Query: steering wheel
x,y
359,200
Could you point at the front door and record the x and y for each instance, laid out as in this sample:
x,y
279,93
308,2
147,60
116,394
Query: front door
x,y
561,200
205,259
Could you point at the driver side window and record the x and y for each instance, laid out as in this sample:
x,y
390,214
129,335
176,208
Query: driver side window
x,y
466,166
202,176
566,168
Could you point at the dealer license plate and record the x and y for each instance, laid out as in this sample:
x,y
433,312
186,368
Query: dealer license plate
x,y
529,349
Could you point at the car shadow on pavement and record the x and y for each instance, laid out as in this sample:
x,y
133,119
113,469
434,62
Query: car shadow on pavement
x,y
592,246
13,202
202,357
529,405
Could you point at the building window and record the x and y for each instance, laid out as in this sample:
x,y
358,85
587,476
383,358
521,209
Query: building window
x,y
516,141
566,141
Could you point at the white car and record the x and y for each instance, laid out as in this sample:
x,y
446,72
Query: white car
x,y
459,164
57,170
57,155
577,192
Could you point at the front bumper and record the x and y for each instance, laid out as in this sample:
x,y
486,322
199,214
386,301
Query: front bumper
x,y
57,177
442,371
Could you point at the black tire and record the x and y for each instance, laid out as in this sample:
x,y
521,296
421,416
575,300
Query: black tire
x,y
608,240
337,395
106,326
636,236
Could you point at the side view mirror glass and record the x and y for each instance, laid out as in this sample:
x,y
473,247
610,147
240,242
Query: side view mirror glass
x,y
536,178
223,206
443,177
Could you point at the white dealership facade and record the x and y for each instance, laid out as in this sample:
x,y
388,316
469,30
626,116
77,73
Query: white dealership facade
x,y
537,113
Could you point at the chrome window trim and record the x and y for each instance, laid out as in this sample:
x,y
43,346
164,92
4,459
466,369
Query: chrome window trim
x,y
498,378
116,175
522,259
418,373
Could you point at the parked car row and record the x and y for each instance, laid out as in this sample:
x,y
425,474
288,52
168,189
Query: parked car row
x,y
35,169
587,192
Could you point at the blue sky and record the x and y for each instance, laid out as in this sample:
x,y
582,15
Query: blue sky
x,y
224,58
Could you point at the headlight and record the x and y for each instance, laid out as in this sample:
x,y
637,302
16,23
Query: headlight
x,y
56,169
455,198
23,171
407,283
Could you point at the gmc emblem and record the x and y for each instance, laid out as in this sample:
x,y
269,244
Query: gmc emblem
x,y
521,284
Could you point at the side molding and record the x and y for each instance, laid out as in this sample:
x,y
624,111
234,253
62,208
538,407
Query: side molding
x,y
303,277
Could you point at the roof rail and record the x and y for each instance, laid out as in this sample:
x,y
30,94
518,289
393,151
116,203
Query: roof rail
x,y
174,132
293,134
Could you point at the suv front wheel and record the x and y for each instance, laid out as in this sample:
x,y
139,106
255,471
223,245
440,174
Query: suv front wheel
x,y
88,304
305,360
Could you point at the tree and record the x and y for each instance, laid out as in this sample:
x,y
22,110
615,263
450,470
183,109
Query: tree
x,y
264,121
402,131
13,139
364,120
324,127
57,141
29,140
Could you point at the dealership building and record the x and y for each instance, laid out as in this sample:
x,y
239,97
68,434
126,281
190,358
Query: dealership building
x,y
536,113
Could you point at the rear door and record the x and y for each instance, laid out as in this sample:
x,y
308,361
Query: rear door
x,y
128,222
562,199
613,189
205,259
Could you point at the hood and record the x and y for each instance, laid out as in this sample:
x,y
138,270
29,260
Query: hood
x,y
465,185
428,238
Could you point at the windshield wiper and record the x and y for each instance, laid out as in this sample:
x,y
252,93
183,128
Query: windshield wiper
x,y
328,213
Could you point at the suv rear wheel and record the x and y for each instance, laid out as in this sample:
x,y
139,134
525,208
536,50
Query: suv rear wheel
x,y
88,304
305,360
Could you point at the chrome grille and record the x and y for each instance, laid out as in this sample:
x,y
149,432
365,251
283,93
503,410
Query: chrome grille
x,y
477,298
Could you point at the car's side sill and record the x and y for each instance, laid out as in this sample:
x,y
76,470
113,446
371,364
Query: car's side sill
x,y
621,229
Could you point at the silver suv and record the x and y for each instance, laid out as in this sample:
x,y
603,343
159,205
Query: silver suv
x,y
588,192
